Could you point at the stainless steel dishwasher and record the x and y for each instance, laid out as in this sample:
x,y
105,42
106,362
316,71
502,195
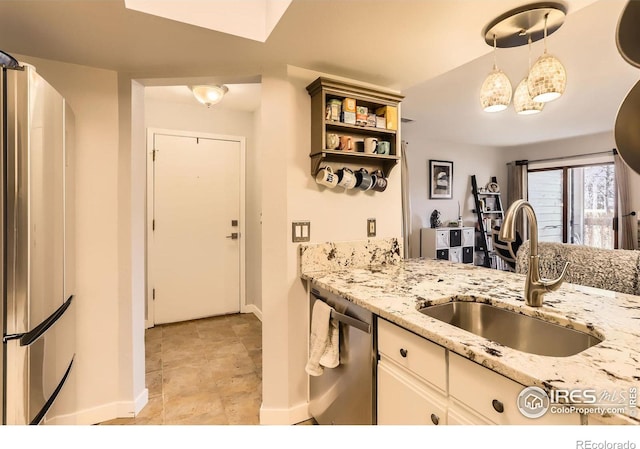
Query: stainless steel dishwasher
x,y
346,394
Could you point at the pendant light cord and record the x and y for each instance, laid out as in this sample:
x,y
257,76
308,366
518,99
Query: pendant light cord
x,y
495,57
546,16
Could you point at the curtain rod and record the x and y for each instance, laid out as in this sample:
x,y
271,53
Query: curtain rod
x,y
552,159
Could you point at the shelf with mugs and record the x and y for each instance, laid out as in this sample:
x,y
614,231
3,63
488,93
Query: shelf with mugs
x,y
350,179
346,118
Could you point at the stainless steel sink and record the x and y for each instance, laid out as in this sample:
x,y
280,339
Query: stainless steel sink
x,y
511,329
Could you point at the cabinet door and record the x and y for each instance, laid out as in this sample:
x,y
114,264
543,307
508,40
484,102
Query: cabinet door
x,y
468,235
455,237
492,395
467,254
459,415
403,400
455,255
442,238
442,254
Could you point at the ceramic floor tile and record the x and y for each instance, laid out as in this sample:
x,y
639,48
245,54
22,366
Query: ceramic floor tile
x,y
203,372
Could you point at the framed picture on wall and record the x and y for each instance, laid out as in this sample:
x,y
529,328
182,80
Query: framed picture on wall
x,y
440,179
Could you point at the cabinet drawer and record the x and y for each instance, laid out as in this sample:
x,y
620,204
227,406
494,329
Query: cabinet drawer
x,y
404,400
442,254
468,235
455,255
467,255
455,237
442,238
424,358
485,391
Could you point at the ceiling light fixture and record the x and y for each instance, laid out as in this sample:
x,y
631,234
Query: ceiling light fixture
x,y
548,77
522,101
209,94
495,94
546,80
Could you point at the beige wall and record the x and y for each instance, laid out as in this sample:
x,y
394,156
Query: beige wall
x,y
218,120
484,162
290,194
93,96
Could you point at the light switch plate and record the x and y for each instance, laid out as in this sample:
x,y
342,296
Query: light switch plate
x,y
371,227
300,231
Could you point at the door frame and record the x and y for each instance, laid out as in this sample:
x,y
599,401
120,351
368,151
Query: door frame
x,y
151,132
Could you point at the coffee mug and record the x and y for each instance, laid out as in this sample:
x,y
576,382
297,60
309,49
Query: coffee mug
x,y
381,182
346,178
332,141
346,144
326,177
384,147
364,181
370,145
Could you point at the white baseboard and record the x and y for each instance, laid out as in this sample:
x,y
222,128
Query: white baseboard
x,y
106,412
284,416
251,308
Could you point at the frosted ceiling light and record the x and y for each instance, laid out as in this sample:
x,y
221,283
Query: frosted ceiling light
x,y
522,101
495,94
548,77
209,94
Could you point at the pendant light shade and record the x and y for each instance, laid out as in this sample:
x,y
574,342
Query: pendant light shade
x,y
522,101
209,94
495,94
547,79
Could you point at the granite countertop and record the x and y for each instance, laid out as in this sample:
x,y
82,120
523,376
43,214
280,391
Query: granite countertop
x,y
395,291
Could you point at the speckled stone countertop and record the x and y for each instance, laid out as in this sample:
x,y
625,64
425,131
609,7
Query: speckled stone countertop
x,y
396,291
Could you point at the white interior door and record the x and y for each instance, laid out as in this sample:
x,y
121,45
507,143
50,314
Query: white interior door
x,y
195,262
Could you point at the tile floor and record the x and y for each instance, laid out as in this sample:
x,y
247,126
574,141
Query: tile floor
x,y
206,371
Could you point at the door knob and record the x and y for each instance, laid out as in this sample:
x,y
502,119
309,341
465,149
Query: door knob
x,y
233,236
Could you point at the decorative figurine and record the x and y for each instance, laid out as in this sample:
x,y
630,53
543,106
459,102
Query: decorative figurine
x,y
435,219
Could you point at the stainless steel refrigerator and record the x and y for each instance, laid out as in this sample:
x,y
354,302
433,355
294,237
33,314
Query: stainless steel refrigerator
x,y
38,311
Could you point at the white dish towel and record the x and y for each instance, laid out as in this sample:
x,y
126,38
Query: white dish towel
x,y
323,341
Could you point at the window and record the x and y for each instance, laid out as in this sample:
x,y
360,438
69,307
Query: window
x,y
575,204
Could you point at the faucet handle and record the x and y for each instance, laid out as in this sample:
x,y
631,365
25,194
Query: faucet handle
x,y
554,284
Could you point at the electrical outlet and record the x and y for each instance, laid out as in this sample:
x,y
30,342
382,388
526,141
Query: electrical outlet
x,y
371,227
300,231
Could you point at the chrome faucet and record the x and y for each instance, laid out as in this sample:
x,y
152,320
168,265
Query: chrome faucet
x,y
535,286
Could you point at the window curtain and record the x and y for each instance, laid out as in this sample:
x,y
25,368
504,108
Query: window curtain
x,y
517,189
627,237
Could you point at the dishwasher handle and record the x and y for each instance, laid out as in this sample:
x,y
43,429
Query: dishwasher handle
x,y
346,319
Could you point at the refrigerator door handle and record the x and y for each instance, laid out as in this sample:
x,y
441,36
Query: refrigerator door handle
x,y
29,337
38,418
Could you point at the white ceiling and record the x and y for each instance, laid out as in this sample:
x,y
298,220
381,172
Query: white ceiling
x,y
401,44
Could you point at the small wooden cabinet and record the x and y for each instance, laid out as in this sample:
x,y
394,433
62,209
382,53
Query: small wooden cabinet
x,y
452,244
323,91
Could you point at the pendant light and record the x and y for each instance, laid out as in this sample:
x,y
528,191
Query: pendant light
x,y
548,78
522,101
495,94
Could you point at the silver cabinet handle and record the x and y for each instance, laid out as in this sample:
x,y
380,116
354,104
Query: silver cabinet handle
x,y
233,236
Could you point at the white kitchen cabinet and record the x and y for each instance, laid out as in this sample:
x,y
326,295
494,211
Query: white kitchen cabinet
x,y
404,399
420,382
492,395
460,415
452,244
